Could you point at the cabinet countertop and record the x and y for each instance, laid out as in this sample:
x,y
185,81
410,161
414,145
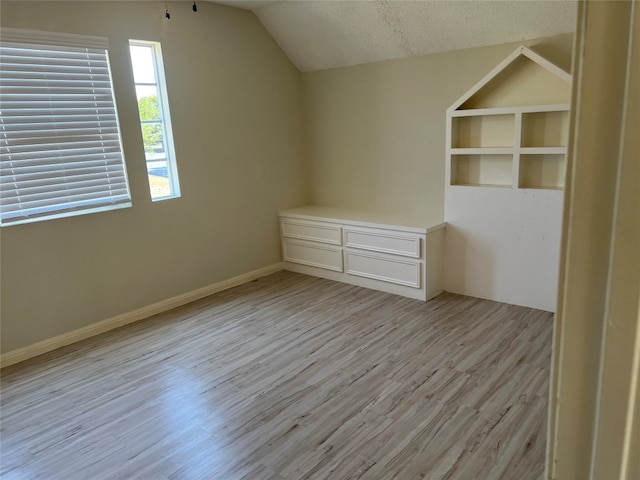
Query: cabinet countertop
x,y
410,223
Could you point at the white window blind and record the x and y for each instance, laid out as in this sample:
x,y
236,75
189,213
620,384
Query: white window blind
x,y
60,147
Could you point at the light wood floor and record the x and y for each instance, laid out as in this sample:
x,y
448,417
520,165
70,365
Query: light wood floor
x,y
290,377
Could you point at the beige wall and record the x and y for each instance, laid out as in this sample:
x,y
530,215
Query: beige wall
x,y
235,102
376,132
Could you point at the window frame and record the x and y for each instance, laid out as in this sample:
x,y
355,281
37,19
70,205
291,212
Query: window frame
x,y
164,114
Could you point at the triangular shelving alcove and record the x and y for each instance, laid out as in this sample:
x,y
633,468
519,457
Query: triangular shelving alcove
x,y
510,129
524,72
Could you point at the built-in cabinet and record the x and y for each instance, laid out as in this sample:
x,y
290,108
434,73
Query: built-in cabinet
x,y
391,253
506,148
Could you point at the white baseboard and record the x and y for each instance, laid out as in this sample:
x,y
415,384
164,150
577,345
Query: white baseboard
x,y
68,338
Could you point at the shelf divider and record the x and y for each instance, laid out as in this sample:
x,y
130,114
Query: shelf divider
x,y
517,139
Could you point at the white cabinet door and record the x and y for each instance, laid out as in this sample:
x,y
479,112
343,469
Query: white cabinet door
x,y
383,267
395,243
312,254
312,231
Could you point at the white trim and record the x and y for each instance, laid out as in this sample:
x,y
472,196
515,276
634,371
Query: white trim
x,y
482,150
542,150
22,35
474,112
543,62
68,338
631,441
559,327
517,140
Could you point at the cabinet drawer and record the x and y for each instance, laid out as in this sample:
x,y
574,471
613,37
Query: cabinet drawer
x,y
312,254
385,242
384,268
313,231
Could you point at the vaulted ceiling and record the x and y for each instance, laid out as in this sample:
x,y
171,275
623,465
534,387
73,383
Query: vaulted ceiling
x,y
321,34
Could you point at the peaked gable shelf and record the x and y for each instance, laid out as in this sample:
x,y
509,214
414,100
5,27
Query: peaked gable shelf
x,y
510,130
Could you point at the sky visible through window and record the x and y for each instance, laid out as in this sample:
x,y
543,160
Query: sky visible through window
x,y
144,72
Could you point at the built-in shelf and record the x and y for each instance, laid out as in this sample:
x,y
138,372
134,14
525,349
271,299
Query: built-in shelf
x,y
492,148
542,171
543,150
483,151
482,131
515,145
545,129
482,169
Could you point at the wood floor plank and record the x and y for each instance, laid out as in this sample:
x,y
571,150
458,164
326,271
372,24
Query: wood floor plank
x,y
286,378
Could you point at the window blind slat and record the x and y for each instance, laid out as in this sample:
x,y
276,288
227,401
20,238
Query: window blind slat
x,y
64,121
72,127
36,111
111,141
80,202
10,86
51,143
83,181
29,55
60,148
68,135
25,173
34,104
38,199
54,59
73,195
26,90
44,99
70,206
7,189
117,196
52,64
18,70
60,163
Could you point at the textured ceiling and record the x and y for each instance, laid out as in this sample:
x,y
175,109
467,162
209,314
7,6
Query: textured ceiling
x,y
321,34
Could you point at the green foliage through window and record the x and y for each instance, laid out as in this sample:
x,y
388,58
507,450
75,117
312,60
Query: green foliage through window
x,y
151,132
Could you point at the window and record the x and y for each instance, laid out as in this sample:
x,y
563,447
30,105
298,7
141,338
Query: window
x,y
153,107
60,147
